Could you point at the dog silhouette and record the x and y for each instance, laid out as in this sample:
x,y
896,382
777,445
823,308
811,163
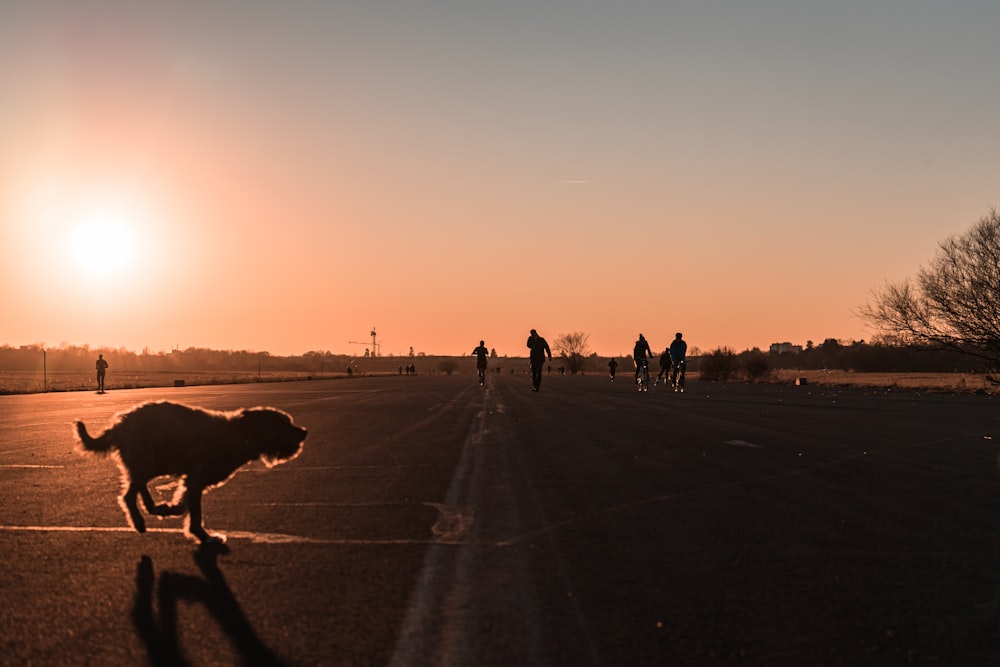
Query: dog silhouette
x,y
204,448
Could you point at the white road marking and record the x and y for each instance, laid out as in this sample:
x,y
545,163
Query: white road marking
x,y
444,623
28,465
743,443
452,522
441,582
358,504
257,538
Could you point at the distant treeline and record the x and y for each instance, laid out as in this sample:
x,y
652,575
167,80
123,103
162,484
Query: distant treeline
x,y
863,357
831,354
83,358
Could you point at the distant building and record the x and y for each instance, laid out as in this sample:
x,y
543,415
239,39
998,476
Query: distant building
x,y
785,348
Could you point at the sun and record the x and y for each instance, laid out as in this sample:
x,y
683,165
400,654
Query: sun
x,y
85,246
104,243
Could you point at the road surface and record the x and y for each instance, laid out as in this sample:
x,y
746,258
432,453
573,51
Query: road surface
x,y
431,521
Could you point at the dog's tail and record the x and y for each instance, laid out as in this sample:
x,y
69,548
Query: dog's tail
x,y
101,444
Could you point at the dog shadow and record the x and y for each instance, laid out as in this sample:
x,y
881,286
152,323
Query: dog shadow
x,y
159,632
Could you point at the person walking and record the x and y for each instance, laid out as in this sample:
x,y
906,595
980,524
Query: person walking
x,y
613,366
102,367
481,354
539,348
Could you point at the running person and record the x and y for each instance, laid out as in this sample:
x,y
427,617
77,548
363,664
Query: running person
x,y
481,354
664,367
613,366
539,348
102,369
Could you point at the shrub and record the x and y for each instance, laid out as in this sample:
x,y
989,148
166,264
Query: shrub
x,y
756,365
719,365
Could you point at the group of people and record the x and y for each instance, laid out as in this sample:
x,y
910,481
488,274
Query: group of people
x,y
673,356
538,351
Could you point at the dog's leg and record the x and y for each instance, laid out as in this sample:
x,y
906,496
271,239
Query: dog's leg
x,y
159,509
195,525
132,508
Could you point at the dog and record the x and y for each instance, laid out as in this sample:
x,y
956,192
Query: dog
x,y
204,448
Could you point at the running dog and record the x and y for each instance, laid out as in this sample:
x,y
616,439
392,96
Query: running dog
x,y
204,448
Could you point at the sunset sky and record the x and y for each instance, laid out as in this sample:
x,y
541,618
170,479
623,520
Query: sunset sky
x,y
282,176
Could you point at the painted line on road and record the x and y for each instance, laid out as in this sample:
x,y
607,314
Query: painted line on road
x,y
331,504
256,538
253,467
27,465
743,443
443,583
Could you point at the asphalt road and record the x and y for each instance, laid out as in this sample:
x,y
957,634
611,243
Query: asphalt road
x,y
430,521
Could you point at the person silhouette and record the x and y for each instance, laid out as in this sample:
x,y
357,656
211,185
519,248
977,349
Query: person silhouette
x,y
640,352
613,366
102,367
539,348
678,356
664,373
481,354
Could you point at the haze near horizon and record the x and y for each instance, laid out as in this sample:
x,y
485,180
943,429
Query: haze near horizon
x,y
284,177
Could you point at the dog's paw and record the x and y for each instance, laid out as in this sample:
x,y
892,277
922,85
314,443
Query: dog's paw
x,y
204,537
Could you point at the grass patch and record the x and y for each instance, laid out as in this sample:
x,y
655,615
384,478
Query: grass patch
x,y
30,382
943,382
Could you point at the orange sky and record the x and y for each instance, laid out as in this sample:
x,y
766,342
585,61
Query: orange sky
x,y
282,177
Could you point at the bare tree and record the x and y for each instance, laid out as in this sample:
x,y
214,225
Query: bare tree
x,y
573,347
954,303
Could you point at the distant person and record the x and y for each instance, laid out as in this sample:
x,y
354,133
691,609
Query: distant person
x,y
350,372
539,348
678,349
481,354
102,368
664,367
640,352
678,356
613,366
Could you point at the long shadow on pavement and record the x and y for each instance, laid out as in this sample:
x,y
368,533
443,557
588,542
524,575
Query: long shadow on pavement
x,y
160,636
